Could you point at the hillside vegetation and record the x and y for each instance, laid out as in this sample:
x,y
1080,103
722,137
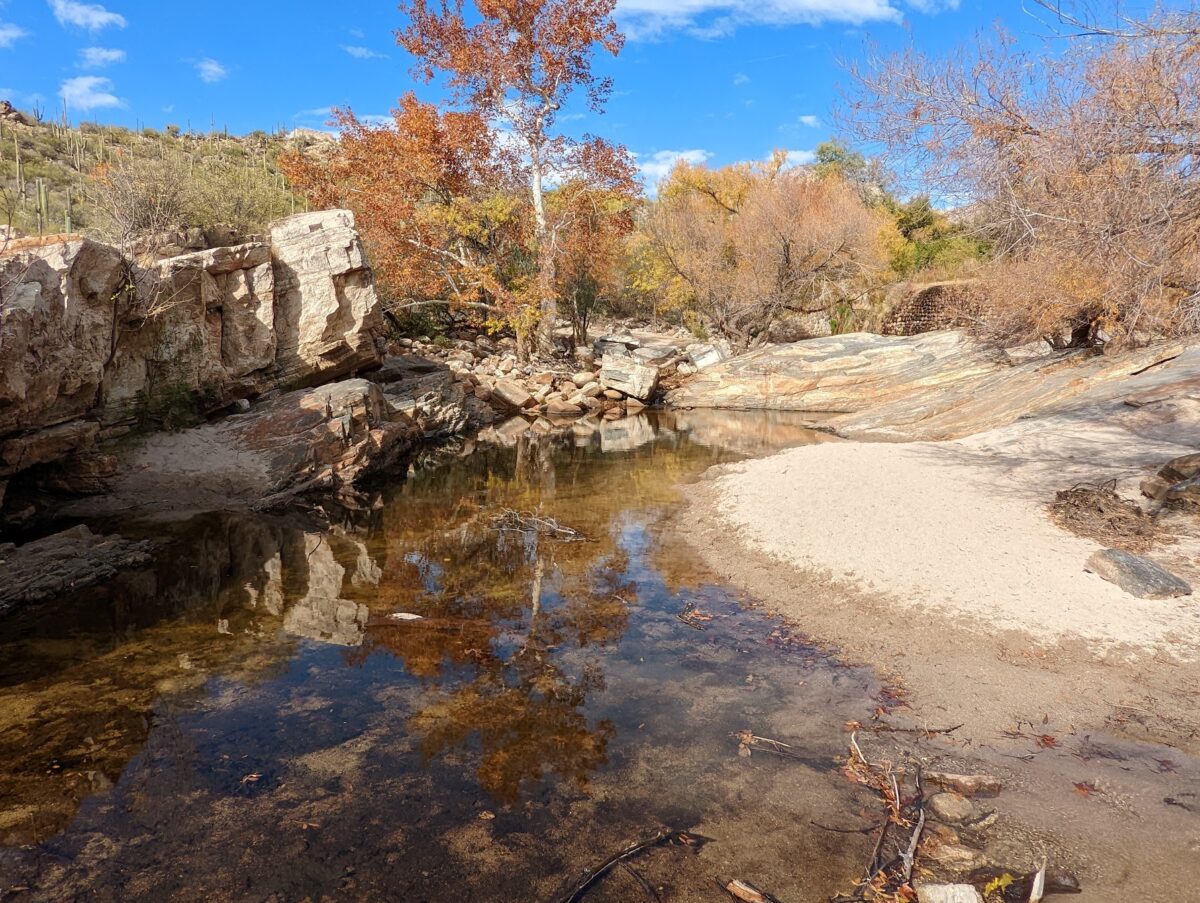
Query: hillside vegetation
x,y
119,184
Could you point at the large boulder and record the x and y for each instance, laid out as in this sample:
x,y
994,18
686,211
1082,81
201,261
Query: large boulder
x,y
58,316
327,317
629,375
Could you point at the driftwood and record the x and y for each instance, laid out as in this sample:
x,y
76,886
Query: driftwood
x,y
748,740
746,892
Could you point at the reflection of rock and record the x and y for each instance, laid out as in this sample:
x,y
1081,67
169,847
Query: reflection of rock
x,y
71,560
746,433
626,434
321,614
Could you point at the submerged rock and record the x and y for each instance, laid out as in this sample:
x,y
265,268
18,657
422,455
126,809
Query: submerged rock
x,y
966,784
1136,575
951,807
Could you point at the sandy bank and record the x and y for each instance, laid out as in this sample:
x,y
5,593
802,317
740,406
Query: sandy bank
x,y
960,528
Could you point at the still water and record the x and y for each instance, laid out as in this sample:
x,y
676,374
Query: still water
x,y
259,716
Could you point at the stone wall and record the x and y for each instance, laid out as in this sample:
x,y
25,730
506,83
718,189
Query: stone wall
x,y
89,341
929,308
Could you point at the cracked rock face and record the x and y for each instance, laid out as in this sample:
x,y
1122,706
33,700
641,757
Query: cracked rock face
x,y
89,340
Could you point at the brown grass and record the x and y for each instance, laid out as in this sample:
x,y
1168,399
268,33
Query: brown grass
x,y
1097,512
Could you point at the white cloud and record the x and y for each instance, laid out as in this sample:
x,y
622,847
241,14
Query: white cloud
x,y
99,57
10,34
657,166
648,19
741,78
91,16
315,113
88,92
210,71
811,121
933,6
362,53
799,158
357,33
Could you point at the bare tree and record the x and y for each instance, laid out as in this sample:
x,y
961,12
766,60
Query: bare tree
x,y
1081,165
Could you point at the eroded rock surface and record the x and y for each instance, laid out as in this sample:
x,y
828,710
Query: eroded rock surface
x,y
939,385
90,340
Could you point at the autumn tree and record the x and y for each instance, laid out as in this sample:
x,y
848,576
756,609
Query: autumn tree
x,y
438,206
1078,164
751,244
515,63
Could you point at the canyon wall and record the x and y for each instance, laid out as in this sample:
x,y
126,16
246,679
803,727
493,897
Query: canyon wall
x,y
91,343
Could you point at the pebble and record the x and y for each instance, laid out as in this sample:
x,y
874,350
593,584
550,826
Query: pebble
x,y
951,807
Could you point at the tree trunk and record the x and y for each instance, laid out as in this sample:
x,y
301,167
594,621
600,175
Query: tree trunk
x,y
545,259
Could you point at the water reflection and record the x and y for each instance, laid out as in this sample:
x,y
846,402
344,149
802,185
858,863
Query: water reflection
x,y
259,672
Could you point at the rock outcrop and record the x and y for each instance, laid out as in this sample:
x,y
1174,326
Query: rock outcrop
x,y
940,385
89,341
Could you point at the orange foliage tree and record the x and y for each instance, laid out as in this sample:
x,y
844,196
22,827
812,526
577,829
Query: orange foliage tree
x,y
514,63
435,204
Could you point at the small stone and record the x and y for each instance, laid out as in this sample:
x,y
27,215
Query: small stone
x,y
1182,468
1138,576
948,893
582,378
632,405
561,408
613,395
1155,487
966,784
955,856
512,395
951,807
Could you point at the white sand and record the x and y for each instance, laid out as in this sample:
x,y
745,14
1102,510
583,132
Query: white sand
x,y
961,527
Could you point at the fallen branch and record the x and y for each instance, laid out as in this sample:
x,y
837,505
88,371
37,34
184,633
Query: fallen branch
x,y
664,835
869,829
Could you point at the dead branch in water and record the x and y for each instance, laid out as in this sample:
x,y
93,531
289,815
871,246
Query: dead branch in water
x,y
513,521
642,882
748,740
591,876
888,878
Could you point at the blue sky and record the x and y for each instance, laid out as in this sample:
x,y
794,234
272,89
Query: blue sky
x,y
717,80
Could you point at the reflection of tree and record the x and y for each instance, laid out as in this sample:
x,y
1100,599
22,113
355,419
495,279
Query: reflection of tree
x,y
509,617
526,716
